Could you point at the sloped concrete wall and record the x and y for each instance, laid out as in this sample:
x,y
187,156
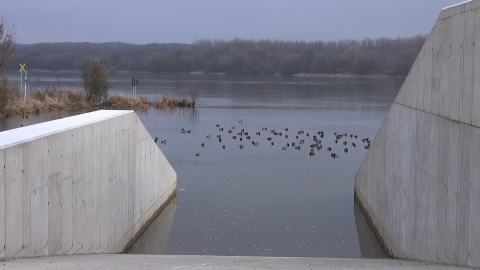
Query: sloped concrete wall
x,y
420,181
79,185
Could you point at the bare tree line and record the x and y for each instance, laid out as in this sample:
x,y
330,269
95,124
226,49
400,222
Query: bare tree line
x,y
383,56
7,45
7,56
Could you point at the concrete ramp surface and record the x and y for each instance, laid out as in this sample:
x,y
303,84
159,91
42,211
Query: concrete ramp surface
x,y
420,181
124,261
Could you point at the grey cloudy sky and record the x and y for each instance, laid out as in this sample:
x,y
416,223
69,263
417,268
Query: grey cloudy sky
x,y
184,21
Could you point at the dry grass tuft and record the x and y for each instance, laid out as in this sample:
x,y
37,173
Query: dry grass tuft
x,y
144,100
118,101
165,101
60,99
187,99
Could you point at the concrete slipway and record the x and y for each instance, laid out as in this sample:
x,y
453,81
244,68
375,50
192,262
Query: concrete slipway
x,y
126,261
419,183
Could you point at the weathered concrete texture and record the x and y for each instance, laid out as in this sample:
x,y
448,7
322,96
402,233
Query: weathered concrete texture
x,y
127,261
420,181
79,185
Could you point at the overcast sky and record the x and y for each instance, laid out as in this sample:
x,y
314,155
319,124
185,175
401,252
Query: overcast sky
x,y
184,21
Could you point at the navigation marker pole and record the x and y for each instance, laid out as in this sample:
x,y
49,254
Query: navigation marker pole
x,y
22,69
25,79
135,82
21,84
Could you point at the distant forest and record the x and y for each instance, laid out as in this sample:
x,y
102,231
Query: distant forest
x,y
383,56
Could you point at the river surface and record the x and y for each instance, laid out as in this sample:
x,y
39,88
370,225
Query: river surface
x,y
248,181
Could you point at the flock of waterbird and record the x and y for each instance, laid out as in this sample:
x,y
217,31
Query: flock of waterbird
x,y
334,143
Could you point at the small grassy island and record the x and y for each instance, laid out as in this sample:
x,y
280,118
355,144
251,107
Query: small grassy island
x,y
13,102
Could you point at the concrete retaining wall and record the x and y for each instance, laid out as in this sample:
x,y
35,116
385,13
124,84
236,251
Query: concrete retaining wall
x,y
420,181
79,185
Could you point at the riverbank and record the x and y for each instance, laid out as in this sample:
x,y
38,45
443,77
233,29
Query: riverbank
x,y
346,76
314,75
13,102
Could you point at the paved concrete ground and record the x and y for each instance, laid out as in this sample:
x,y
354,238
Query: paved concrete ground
x,y
136,261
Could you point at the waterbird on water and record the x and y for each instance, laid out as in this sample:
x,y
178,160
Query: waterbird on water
x,y
315,143
155,140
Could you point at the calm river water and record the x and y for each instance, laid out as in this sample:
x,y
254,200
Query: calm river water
x,y
243,188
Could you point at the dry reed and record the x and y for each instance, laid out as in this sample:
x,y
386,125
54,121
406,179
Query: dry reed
x,y
121,101
48,100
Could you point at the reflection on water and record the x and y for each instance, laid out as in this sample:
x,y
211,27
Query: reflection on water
x,y
188,115
265,198
154,239
12,122
370,245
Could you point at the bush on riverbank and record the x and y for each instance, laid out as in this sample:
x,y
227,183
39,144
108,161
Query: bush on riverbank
x,y
12,101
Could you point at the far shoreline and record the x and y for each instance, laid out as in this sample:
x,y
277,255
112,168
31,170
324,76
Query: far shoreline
x,y
346,76
221,74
